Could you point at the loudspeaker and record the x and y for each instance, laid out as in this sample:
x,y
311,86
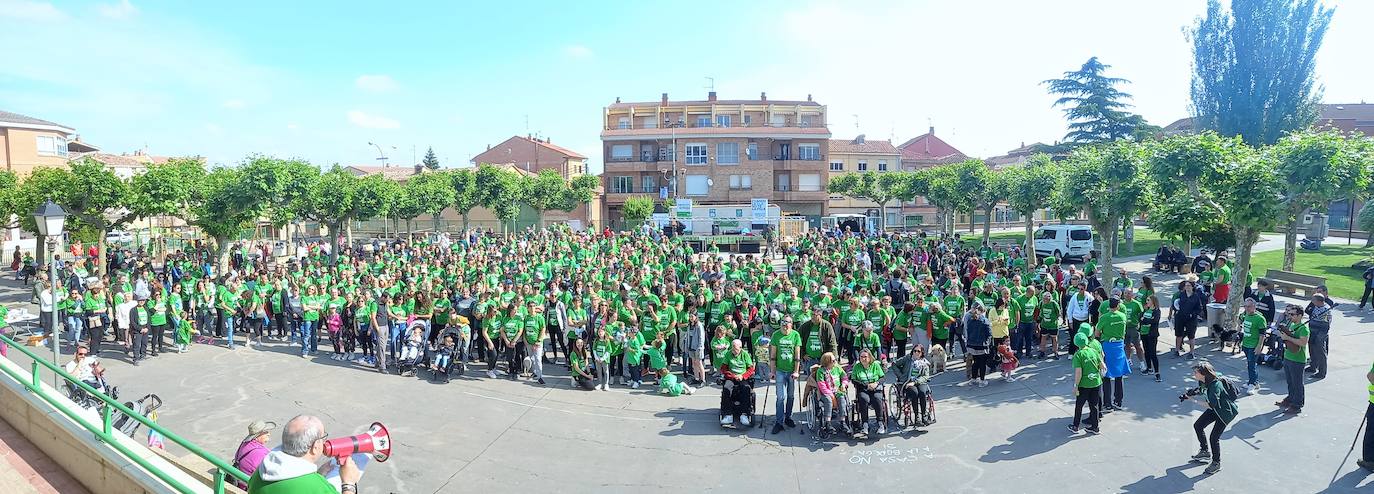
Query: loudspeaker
x,y
376,441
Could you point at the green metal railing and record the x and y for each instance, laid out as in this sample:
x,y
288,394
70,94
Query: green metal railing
x,y
104,431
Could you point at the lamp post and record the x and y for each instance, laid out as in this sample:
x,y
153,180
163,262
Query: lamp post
x,y
49,218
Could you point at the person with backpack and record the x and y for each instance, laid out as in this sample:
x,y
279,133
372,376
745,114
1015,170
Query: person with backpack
x,y
1218,397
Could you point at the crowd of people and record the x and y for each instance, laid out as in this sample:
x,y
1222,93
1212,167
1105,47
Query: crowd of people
x,y
832,313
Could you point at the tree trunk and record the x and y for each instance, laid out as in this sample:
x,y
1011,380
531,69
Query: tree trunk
x,y
410,230
465,221
1108,271
221,254
1188,245
40,255
1240,270
1290,243
987,221
334,230
100,267
1030,241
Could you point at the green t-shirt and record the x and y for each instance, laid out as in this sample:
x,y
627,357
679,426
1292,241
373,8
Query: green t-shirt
x,y
1299,356
1025,308
787,345
512,327
1132,310
1090,362
159,312
870,373
871,343
719,347
853,317
938,320
310,302
1112,324
740,362
1049,315
1252,327
534,324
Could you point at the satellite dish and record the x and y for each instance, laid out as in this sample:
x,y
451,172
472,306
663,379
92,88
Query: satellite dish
x,y
710,183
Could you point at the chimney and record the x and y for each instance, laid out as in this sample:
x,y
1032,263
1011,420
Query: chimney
x,y
617,99
488,147
808,96
711,96
664,101
763,96
859,140
932,130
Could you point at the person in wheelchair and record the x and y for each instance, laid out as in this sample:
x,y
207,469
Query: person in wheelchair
x,y
868,391
913,372
737,392
87,369
827,383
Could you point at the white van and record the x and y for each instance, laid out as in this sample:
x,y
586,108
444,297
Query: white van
x,y
1064,241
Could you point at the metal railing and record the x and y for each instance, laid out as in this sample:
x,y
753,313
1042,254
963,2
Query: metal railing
x,y
105,430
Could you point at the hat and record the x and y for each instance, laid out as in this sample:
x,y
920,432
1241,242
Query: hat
x,y
258,428
1085,329
1080,340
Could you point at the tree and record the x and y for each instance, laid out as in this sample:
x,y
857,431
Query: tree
x,y
547,191
991,191
1094,107
636,210
1107,184
881,188
465,193
338,198
293,179
940,187
430,161
91,193
1317,168
1253,67
1247,191
1029,187
501,191
226,202
1366,222
428,193
970,178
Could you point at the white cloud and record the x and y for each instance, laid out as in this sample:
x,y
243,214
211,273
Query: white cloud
x,y
378,83
577,51
121,10
30,11
233,104
369,121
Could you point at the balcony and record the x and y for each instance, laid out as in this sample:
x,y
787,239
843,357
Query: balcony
x,y
801,196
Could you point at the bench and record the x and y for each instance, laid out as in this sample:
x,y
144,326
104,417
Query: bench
x,y
1290,282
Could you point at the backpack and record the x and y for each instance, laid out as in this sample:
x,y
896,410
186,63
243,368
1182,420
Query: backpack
x,y
1228,388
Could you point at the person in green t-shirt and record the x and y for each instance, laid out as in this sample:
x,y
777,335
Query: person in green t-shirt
x,y
867,378
1087,380
533,345
786,347
1252,327
1294,334
1132,309
1049,326
736,391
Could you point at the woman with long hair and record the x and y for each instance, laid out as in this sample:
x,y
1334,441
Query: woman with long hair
x,y
1220,410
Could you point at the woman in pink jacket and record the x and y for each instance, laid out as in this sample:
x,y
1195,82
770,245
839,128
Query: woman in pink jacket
x,y
253,448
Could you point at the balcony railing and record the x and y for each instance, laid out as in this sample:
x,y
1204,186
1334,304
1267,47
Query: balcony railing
x,y
634,190
696,125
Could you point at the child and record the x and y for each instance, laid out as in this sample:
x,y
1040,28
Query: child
x,y
668,384
334,323
1008,361
763,357
415,338
444,354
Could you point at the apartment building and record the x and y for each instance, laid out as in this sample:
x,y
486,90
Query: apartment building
x,y
920,152
862,155
533,154
27,143
717,152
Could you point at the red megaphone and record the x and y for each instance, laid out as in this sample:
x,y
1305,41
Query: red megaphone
x,y
376,441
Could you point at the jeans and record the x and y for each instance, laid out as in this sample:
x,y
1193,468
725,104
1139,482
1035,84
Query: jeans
x,y
1364,298
786,395
307,332
229,329
916,394
1028,339
1210,441
603,372
74,326
1292,372
1251,359
1320,345
536,358
394,341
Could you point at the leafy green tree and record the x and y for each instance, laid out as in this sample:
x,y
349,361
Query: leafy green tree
x,y
1317,168
292,179
547,191
430,161
970,178
332,201
1253,67
881,188
1029,188
940,186
428,193
1366,222
91,193
465,193
501,191
636,210
991,191
226,202
1108,185
1095,108
1247,189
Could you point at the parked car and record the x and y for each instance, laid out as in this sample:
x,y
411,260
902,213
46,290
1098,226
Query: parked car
x,y
1064,241
118,237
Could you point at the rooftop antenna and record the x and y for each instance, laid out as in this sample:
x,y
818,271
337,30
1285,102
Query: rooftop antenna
x,y
856,122
710,83
527,123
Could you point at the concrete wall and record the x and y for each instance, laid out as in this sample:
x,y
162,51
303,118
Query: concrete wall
x,y
97,465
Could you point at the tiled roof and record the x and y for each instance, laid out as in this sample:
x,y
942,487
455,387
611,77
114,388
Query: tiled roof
x,y
524,149
120,160
1350,117
15,118
929,148
867,146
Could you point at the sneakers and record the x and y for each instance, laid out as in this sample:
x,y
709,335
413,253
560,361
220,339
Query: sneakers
x,y
982,383
744,420
789,423
1094,431
1367,465
727,420
882,428
491,374
1252,389
1214,467
1158,379
1073,429
1202,456
541,380
689,389
777,427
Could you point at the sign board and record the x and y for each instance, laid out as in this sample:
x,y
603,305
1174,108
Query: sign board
x,y
759,208
711,213
684,208
662,192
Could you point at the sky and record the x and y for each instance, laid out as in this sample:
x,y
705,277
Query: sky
x,y
320,80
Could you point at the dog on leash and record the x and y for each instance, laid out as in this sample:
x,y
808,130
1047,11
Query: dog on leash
x,y
937,359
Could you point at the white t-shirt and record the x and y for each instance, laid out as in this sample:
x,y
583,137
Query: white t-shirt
x,y
86,370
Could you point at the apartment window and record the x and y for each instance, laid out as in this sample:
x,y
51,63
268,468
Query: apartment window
x,y
703,121
52,146
836,166
748,120
741,182
622,184
665,153
696,153
646,153
622,152
805,121
784,182
808,151
753,149
650,185
882,165
863,166
777,120
649,123
727,153
809,182
697,185
722,120
623,123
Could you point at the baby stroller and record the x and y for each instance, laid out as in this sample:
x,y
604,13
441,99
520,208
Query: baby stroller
x,y
144,406
414,352
454,357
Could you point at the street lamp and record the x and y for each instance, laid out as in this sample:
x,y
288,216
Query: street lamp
x,y
49,217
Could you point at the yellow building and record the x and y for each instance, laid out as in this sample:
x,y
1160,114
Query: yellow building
x,y
861,155
27,143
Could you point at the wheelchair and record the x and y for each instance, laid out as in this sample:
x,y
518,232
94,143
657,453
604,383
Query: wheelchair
x,y
742,410
84,399
848,418
902,411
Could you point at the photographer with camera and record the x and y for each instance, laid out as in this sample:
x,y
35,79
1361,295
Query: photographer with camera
x,y
1294,335
1220,405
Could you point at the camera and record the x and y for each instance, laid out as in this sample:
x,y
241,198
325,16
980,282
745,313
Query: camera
x,y
1190,393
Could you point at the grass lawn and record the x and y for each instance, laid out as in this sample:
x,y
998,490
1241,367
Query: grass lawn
x,y
1333,262
1146,240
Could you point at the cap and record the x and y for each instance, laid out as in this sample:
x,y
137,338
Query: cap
x,y
258,428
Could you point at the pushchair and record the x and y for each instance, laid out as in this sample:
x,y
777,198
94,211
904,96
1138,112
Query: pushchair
x,y
1270,350
84,399
144,406
414,352
456,357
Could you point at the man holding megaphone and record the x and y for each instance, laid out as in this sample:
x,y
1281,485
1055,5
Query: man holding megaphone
x,y
292,469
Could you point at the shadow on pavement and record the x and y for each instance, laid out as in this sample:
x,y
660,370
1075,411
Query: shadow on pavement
x,y
1174,481
1031,441
1349,482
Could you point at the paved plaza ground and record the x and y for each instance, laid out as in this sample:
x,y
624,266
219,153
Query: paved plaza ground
x,y
493,435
